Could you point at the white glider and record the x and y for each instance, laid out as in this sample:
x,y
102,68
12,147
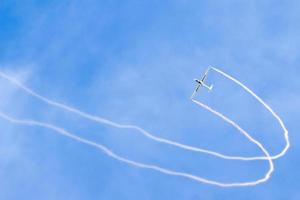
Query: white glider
x,y
201,82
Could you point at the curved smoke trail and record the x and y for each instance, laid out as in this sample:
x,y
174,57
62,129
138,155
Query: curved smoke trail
x,y
275,115
156,138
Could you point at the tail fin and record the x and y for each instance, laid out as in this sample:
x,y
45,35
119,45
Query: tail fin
x,y
209,87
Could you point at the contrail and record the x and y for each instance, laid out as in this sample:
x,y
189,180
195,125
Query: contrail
x,y
163,140
113,155
285,131
151,136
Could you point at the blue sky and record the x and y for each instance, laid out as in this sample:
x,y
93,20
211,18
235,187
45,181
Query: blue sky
x,y
134,62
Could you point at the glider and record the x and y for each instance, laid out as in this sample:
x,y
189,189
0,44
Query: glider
x,y
201,82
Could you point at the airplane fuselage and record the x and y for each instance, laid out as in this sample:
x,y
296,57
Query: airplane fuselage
x,y
199,82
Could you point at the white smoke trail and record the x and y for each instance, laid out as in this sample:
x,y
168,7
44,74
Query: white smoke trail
x,y
111,154
153,137
162,140
285,131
